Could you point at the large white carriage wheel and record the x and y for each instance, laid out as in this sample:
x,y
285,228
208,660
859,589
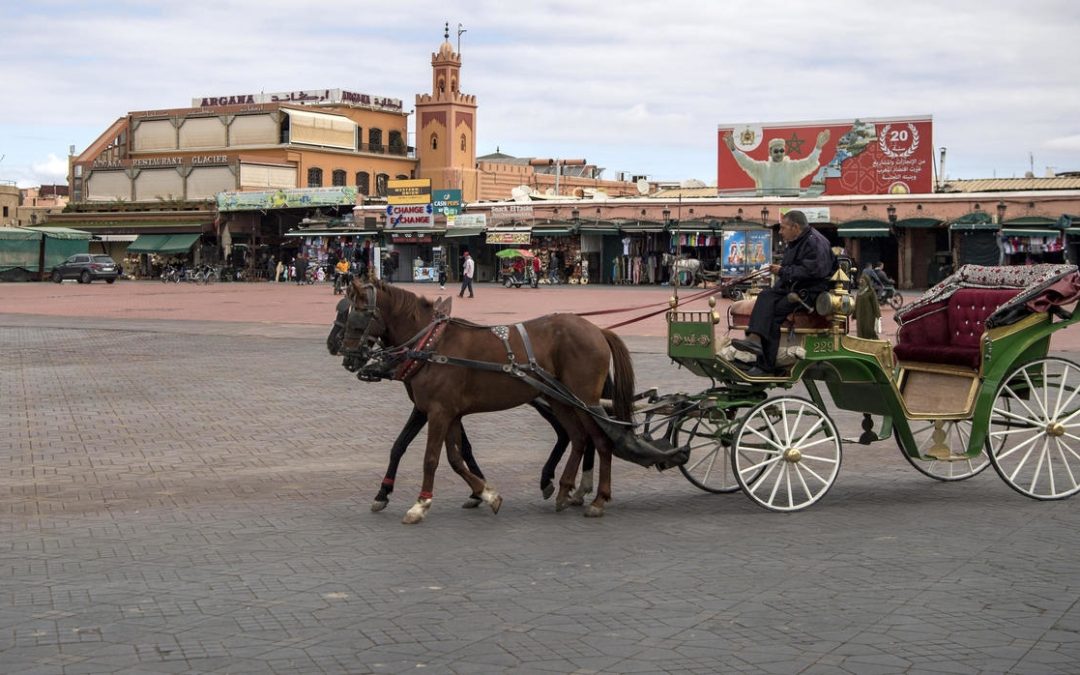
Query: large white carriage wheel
x,y
951,437
786,453
1035,429
709,466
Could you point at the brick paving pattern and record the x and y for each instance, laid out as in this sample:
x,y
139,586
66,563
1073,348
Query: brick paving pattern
x,y
192,496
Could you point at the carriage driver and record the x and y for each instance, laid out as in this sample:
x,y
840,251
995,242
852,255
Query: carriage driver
x,y
806,267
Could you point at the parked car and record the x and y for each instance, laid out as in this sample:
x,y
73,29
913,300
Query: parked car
x,y
86,267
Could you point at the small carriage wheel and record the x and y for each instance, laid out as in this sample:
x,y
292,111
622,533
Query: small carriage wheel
x,y
708,433
1035,429
954,434
786,453
507,283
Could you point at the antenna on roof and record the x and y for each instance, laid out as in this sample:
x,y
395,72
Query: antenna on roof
x,y
460,29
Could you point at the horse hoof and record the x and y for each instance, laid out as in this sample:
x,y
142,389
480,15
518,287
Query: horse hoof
x,y
547,490
577,500
416,512
496,504
412,518
472,502
594,512
377,506
561,503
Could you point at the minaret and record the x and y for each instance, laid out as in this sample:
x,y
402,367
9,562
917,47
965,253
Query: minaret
x,y
446,127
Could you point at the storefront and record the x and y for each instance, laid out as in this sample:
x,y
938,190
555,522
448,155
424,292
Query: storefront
x,y
599,243
412,254
870,241
560,241
1032,240
975,240
924,253
149,253
644,254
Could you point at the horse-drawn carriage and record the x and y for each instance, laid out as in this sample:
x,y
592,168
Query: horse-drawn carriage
x,y
969,384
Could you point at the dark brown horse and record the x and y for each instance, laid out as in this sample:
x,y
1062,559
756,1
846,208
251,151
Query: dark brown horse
x,y
454,368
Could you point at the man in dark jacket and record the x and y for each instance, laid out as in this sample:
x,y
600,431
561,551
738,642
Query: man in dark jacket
x,y
806,267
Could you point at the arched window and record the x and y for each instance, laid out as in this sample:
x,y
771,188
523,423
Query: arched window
x,y
363,182
434,141
375,140
380,184
314,177
453,84
442,85
337,179
401,176
464,143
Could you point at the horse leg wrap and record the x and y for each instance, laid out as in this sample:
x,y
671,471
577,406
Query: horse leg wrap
x,y
472,502
492,498
417,512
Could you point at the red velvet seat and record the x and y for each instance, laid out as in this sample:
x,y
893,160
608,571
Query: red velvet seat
x,y
950,332
739,318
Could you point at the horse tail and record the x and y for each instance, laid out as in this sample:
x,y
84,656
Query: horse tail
x,y
623,398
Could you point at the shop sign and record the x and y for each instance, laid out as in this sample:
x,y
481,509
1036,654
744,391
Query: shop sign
x,y
814,214
519,238
447,202
410,238
286,199
504,213
472,220
410,215
415,191
303,97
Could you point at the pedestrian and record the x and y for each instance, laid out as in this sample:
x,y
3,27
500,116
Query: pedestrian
x,y
467,271
867,310
805,269
535,271
271,265
441,267
301,269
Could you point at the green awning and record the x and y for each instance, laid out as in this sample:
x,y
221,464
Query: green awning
x,y
1029,232
974,218
862,232
18,234
957,226
920,223
641,226
599,229
332,233
551,231
1030,221
464,231
147,243
60,232
177,243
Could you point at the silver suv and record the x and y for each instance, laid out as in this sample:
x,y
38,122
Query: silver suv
x,y
86,267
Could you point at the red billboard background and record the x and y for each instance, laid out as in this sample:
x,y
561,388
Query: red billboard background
x,y
859,157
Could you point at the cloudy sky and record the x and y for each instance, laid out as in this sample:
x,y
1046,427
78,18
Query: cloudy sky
x,y
629,85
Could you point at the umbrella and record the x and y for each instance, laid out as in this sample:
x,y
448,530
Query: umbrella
x,y
513,253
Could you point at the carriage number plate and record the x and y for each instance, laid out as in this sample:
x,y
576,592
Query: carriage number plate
x,y
820,346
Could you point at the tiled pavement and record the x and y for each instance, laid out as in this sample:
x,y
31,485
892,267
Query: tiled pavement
x,y
193,497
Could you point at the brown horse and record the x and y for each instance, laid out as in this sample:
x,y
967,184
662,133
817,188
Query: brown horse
x,y
454,368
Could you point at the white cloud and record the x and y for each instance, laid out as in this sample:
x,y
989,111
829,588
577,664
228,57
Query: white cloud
x,y
627,84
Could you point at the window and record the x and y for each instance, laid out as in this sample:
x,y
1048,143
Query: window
x,y
375,140
380,184
434,141
314,177
359,139
401,176
397,143
464,143
5,212
363,182
338,177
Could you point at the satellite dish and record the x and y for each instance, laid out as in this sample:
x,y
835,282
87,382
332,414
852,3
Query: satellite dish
x,y
521,193
642,186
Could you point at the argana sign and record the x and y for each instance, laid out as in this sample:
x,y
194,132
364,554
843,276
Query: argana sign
x,y
862,156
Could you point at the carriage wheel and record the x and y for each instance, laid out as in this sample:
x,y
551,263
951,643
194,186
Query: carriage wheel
x,y
786,454
708,433
947,437
1035,429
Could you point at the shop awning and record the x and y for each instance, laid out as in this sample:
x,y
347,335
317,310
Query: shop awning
x,y
644,226
332,233
177,243
1029,232
147,243
1030,221
863,228
546,231
918,223
967,227
976,220
59,232
464,231
598,228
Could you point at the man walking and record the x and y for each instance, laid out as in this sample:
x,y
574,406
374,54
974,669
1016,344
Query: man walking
x,y
467,272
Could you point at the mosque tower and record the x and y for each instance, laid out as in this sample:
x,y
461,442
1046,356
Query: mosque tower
x,y
446,127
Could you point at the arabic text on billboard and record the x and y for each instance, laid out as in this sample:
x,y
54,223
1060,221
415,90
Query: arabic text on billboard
x,y
852,157
286,199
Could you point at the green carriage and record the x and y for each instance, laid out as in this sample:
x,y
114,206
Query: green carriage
x,y
969,384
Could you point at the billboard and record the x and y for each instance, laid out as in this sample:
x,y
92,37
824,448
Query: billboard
x,y
745,251
840,157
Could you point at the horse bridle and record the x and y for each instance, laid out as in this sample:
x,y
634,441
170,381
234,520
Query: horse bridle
x,y
368,322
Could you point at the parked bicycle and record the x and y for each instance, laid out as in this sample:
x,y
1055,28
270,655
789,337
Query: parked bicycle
x,y
171,274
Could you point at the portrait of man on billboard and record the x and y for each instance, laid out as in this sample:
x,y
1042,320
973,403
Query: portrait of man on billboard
x,y
779,174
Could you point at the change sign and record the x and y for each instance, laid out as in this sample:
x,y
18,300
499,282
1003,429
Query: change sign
x,y
410,215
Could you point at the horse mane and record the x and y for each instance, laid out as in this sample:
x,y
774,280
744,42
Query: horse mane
x,y
404,303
